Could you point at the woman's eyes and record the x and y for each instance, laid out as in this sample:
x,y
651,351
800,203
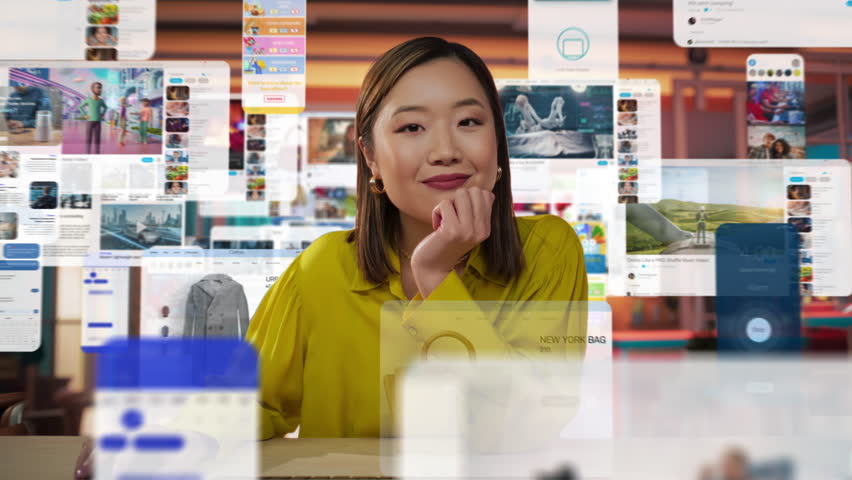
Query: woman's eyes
x,y
410,128
415,127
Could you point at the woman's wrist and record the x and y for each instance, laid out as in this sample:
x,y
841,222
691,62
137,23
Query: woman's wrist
x,y
427,278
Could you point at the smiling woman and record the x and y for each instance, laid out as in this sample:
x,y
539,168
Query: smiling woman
x,y
434,223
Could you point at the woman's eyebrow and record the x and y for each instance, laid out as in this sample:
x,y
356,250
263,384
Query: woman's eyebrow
x,y
419,108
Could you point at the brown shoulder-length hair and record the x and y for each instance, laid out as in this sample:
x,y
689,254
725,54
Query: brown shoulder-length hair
x,y
377,223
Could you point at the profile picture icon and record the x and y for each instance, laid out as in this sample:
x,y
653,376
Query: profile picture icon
x,y
692,20
631,276
689,42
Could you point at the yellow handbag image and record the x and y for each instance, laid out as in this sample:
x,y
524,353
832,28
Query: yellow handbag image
x,y
390,380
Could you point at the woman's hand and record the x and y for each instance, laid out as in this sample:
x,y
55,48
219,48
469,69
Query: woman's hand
x,y
460,223
85,467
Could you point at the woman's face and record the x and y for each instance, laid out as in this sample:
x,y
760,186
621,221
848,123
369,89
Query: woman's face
x,y
778,147
435,121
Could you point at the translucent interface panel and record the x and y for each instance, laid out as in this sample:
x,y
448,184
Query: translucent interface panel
x,y
130,127
96,30
668,246
21,297
176,409
273,44
573,39
495,388
767,418
753,23
105,305
760,419
194,292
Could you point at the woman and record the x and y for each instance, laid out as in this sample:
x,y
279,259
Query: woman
x,y
434,222
780,149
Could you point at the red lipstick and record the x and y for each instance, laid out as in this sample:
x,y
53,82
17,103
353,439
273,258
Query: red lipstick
x,y
447,181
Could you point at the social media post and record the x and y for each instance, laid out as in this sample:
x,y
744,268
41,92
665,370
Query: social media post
x,y
556,385
170,408
196,94
331,144
105,111
584,47
21,297
551,125
78,30
753,23
116,230
670,244
274,8
105,307
180,286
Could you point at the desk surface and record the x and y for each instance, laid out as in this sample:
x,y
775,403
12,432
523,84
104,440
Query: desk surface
x,y
27,138
49,458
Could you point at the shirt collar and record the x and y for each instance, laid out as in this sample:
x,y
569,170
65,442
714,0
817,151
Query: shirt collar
x,y
476,262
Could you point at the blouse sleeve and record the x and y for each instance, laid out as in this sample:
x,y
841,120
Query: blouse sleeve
x,y
557,273
276,334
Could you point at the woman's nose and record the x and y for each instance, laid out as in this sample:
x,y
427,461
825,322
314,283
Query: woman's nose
x,y
444,150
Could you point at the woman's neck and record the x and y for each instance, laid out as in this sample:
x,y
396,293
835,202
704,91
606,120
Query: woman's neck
x,y
411,232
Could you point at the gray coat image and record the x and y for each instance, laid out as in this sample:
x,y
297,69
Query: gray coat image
x,y
216,307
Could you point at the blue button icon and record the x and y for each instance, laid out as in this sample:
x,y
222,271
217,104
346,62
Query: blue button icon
x,y
752,62
175,80
797,179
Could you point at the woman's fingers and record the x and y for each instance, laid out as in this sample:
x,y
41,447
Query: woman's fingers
x,y
85,460
464,212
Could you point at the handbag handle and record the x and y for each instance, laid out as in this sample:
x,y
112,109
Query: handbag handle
x,y
471,352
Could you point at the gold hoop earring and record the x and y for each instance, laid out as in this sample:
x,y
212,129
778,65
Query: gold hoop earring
x,y
499,173
374,186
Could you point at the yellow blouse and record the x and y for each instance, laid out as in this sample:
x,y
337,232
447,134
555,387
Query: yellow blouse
x,y
317,329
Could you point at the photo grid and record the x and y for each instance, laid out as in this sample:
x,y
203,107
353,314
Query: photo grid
x,y
255,165
799,214
177,128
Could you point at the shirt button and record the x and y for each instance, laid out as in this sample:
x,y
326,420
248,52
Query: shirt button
x,y
412,331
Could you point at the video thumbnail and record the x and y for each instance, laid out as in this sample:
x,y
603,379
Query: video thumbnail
x,y
695,202
578,122
139,227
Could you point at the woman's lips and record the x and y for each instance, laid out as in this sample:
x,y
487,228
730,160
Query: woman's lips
x,y
449,181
